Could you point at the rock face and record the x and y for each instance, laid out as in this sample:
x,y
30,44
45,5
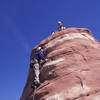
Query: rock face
x,y
72,70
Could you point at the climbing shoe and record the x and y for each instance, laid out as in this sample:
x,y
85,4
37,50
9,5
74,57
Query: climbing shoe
x,y
38,84
33,86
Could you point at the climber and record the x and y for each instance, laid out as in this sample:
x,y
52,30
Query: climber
x,y
37,57
60,26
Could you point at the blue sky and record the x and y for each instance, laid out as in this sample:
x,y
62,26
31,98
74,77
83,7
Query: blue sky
x,y
24,23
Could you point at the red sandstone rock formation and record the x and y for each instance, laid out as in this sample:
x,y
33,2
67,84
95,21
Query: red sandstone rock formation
x,y
72,70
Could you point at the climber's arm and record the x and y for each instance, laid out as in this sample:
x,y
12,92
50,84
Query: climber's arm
x,y
41,55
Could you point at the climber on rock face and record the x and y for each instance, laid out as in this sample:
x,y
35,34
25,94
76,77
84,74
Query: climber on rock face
x,y
37,57
60,26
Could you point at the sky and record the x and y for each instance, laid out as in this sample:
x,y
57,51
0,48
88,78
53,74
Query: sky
x,y
25,23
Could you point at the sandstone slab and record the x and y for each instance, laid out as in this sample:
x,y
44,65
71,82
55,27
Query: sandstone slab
x,y
72,71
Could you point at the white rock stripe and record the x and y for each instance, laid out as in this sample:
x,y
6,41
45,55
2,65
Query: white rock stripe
x,y
54,62
73,92
69,37
55,97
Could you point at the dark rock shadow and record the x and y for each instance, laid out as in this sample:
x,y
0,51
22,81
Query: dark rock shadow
x,y
38,96
48,73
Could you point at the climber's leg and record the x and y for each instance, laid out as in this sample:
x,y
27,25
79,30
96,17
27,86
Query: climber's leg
x,y
36,73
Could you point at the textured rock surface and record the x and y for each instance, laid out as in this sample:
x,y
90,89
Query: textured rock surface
x,y
72,71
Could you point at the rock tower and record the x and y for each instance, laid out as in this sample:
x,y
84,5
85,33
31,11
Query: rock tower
x,y
72,71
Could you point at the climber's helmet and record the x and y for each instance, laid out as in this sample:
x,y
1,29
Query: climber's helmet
x,y
59,23
39,48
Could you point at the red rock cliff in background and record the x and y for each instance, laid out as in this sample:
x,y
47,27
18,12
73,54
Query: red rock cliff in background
x,y
72,71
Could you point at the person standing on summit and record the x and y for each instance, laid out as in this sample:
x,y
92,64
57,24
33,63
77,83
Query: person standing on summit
x,y
37,57
61,26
